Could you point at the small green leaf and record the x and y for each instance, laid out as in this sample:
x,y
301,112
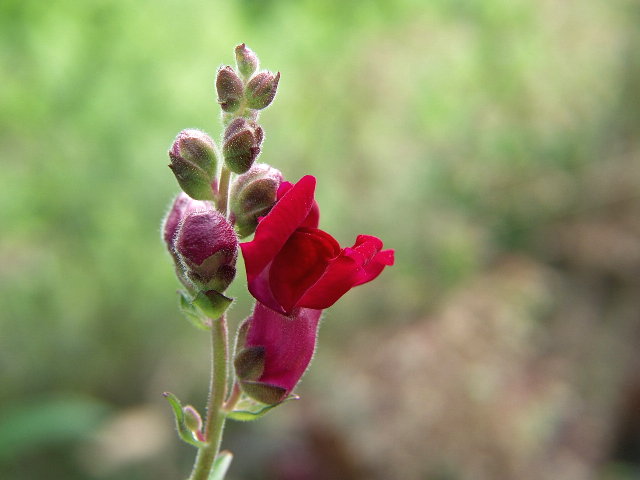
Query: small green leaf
x,y
221,465
211,303
184,432
191,312
248,410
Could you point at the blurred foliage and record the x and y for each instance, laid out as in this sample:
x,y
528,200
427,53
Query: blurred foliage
x,y
454,130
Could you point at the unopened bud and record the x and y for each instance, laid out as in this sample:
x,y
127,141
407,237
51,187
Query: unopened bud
x,y
182,205
261,90
229,88
192,419
253,194
246,60
241,145
207,246
194,162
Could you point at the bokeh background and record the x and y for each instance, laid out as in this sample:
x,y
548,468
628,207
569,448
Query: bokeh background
x,y
493,143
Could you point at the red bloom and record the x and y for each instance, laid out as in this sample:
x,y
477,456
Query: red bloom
x,y
292,264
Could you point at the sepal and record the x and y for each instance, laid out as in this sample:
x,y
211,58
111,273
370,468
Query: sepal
x,y
204,307
249,363
248,409
212,304
263,392
191,312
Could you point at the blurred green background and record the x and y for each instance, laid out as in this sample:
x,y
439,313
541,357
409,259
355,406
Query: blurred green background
x,y
493,144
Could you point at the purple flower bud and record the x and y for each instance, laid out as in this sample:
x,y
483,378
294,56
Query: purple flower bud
x,y
229,87
241,147
182,205
252,196
207,247
246,60
194,162
261,90
276,351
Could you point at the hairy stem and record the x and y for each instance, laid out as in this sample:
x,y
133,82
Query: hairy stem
x,y
216,416
223,191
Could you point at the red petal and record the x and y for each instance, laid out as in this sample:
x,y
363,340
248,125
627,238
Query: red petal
x,y
275,229
299,264
313,219
289,343
374,267
337,280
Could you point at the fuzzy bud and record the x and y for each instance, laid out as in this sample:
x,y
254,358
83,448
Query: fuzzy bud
x,y
261,90
229,88
194,162
252,196
241,147
207,247
182,205
246,60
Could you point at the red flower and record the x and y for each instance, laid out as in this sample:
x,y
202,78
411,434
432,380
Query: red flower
x,y
292,264
276,352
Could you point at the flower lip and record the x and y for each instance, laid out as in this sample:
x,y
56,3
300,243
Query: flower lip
x,y
292,264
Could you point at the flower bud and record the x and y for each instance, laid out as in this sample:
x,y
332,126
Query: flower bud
x,y
229,87
252,196
193,162
261,90
192,420
207,246
246,60
182,205
241,145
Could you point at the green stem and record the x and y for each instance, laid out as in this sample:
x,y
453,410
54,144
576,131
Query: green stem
x,y
223,191
216,416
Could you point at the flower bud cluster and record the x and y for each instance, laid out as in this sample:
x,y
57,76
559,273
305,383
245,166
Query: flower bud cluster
x,y
202,227
242,93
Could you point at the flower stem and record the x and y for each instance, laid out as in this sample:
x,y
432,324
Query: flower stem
x,y
216,416
223,191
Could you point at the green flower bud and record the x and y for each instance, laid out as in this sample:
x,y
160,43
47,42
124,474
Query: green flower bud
x,y
229,88
241,147
194,162
192,420
261,90
246,60
252,196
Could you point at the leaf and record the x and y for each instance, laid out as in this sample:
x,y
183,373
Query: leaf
x,y
184,432
221,465
249,410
